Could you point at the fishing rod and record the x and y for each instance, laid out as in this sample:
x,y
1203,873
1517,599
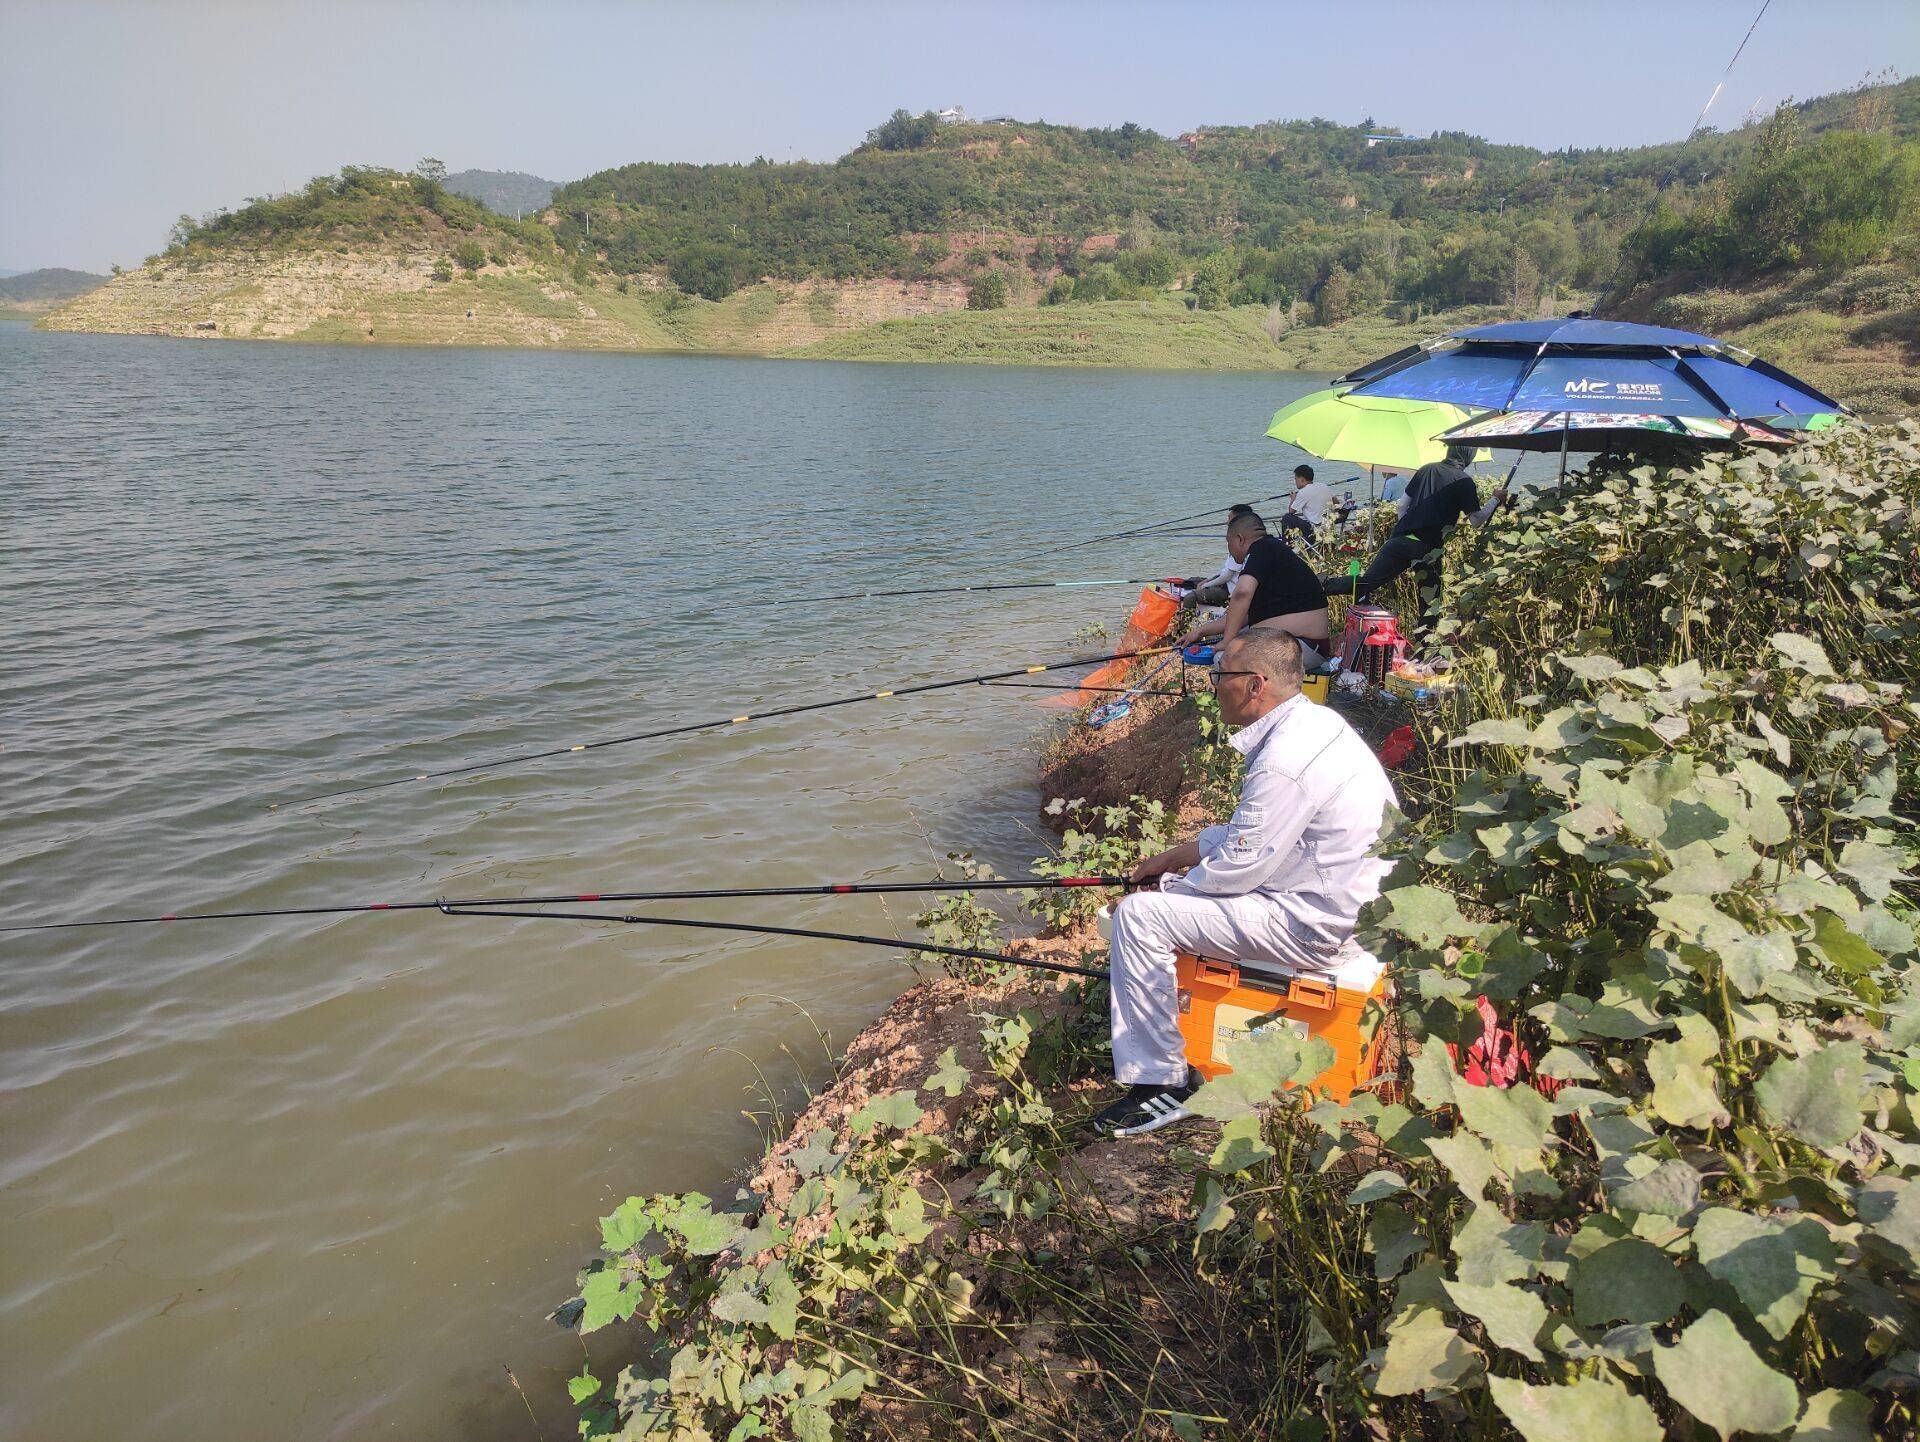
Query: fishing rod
x,y
892,943
952,590
693,727
833,888
1136,531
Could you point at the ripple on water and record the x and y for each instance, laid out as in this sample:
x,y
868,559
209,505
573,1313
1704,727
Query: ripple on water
x,y
321,1177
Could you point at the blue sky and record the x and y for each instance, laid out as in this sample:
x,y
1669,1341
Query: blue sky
x,y
114,118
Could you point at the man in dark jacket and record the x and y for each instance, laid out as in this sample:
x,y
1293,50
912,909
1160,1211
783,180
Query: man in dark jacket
x,y
1439,494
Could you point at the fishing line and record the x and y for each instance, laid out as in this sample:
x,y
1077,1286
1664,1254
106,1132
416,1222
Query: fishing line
x,y
835,888
891,943
952,590
1136,531
693,727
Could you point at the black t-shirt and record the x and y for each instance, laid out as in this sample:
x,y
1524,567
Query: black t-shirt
x,y
1286,583
1438,495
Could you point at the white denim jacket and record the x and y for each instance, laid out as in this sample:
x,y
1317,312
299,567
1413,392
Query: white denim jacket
x,y
1310,811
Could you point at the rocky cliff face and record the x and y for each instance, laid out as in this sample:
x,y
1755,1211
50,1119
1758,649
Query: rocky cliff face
x,y
394,297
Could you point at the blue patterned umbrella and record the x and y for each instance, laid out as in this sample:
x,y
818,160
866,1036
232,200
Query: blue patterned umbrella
x,y
1581,366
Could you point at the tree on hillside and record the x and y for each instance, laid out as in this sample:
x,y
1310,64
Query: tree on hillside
x,y
1332,301
988,291
470,254
431,169
712,271
903,131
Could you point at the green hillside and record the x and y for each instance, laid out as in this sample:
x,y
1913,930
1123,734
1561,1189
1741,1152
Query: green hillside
x,y
508,192
1300,243
32,291
1345,218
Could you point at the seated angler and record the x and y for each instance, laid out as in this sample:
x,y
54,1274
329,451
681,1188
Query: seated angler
x,y
1277,591
1215,589
1282,881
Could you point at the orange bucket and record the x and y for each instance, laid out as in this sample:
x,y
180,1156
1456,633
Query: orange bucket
x,y
1220,1001
1152,615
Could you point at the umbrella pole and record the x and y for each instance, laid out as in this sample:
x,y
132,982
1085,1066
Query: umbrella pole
x,y
1566,429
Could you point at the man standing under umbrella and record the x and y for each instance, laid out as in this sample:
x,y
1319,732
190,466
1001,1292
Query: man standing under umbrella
x,y
1439,494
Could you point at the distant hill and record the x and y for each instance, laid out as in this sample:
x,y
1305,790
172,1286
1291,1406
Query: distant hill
x,y
39,290
1797,235
506,192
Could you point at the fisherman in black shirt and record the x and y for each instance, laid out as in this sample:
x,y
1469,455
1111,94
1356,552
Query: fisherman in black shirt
x,y
1276,591
1439,494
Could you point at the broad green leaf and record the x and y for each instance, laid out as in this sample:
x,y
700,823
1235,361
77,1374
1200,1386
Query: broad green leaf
x,y
1215,1212
1470,1160
1803,653
1890,1206
738,1307
1715,1375
582,1387
1495,733
1772,1265
1818,1097
606,1300
1843,948
816,1155
1875,868
1684,1094
783,1302
1512,1316
1427,916
705,1232
763,1235
1433,1076
1263,1063
1517,1117
1835,1416
906,1220
1591,668
1242,1144
1491,1249
1671,1189
1626,1281
629,1225
810,1423
949,1076
1374,1186
1753,961
1565,1063
1589,1409
1393,1240
1423,1354
897,1110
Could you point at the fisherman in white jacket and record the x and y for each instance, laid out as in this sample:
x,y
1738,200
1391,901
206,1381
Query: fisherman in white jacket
x,y
1283,880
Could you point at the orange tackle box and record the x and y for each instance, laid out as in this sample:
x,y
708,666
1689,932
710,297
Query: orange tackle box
x,y
1220,1000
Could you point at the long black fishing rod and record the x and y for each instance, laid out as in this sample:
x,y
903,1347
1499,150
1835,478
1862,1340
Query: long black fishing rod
x,y
892,943
832,888
693,727
954,590
1136,531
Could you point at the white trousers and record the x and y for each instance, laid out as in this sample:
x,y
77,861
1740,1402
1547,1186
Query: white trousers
x,y
1150,926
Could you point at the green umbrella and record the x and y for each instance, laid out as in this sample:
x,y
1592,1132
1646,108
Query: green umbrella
x,y
1367,430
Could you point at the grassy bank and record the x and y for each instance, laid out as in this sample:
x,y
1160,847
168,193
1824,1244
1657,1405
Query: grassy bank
x,y
1152,335
1662,835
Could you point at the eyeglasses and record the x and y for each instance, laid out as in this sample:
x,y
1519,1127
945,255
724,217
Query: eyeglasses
x,y
1216,671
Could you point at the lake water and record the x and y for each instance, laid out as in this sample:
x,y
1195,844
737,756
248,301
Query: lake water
x,y
324,1177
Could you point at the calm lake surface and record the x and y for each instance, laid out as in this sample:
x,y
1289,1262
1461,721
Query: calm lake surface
x,y
324,1177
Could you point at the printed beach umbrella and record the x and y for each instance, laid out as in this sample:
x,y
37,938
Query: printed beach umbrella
x,y
1581,365
1363,431
1604,431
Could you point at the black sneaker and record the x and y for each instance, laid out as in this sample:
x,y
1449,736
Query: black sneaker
x,y
1145,1109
